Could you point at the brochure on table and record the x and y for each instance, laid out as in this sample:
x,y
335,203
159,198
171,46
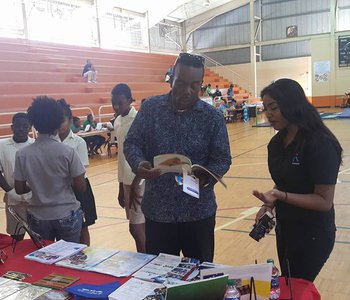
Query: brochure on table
x,y
168,269
87,258
135,289
55,252
17,290
107,261
123,263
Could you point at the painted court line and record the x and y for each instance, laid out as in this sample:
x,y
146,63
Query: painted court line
x,y
344,171
233,208
245,177
108,225
272,234
245,214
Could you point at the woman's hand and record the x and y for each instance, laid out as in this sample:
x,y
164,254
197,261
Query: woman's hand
x,y
261,212
270,196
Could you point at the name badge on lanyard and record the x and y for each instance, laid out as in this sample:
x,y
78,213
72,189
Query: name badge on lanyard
x,y
190,184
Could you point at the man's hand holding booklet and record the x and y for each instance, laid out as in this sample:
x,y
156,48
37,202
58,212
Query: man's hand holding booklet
x,y
177,163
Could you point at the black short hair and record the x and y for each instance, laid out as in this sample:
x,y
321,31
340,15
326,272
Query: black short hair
x,y
122,89
45,114
76,119
19,116
189,59
67,112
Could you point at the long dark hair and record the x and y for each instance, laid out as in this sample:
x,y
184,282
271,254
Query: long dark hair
x,y
296,108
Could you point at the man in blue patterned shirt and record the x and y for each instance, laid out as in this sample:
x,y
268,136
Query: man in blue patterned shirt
x,y
179,122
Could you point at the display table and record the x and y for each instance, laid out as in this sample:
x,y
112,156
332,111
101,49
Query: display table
x,y
16,262
302,290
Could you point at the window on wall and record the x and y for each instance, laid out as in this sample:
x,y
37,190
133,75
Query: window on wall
x,y
61,21
123,30
11,19
343,21
309,17
165,36
286,50
74,22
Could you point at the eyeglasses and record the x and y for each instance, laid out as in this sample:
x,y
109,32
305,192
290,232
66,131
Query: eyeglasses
x,y
190,56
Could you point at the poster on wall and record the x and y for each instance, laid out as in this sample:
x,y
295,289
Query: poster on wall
x,y
344,51
322,70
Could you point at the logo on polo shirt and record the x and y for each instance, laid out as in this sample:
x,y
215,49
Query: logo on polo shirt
x,y
295,160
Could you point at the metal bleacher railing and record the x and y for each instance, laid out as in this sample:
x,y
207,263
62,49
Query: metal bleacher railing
x,y
233,76
33,133
104,115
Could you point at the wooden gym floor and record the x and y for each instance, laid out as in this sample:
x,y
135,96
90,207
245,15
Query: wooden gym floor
x,y
236,207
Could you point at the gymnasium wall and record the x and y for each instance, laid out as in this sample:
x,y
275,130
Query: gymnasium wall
x,y
317,25
298,69
330,92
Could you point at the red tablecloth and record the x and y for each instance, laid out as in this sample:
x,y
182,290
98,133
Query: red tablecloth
x,y
302,289
16,262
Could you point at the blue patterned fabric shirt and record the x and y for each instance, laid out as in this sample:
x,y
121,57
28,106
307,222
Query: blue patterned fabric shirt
x,y
200,134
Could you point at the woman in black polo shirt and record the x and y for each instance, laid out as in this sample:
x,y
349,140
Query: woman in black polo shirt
x,y
304,159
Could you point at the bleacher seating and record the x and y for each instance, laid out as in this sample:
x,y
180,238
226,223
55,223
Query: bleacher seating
x,y
31,68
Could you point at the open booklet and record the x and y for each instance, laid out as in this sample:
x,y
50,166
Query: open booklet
x,y
107,261
55,252
169,269
177,163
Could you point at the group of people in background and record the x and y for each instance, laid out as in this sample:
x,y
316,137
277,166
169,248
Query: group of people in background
x,y
303,159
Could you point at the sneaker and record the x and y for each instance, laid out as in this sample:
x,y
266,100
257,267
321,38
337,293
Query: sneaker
x,y
89,81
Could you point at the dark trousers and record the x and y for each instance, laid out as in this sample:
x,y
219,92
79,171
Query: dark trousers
x,y
194,239
94,142
307,250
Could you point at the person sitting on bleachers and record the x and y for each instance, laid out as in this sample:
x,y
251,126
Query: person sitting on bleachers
x,y
231,106
223,106
89,72
230,93
208,89
94,142
347,102
217,92
76,125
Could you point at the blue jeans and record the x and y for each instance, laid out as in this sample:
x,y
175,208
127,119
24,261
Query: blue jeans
x,y
67,228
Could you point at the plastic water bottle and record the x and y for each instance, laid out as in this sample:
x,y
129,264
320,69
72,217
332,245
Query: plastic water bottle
x,y
275,291
245,114
232,292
